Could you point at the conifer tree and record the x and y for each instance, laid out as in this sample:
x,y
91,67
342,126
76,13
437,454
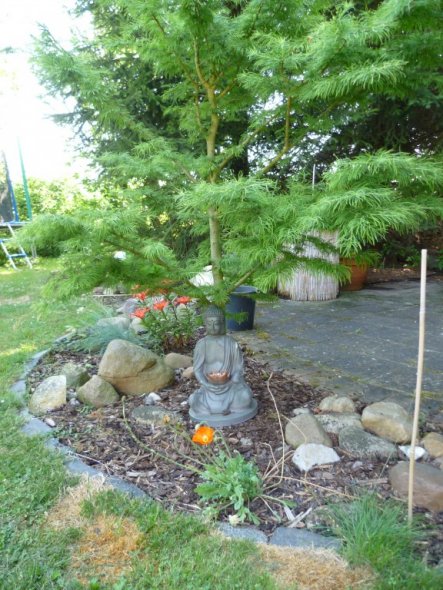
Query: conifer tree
x,y
235,90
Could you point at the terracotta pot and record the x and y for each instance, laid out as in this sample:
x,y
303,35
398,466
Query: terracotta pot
x,y
359,272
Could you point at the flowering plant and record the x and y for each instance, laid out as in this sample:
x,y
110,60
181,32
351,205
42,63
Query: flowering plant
x,y
204,435
171,320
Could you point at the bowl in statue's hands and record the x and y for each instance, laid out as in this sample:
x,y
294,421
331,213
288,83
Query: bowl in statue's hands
x,y
218,378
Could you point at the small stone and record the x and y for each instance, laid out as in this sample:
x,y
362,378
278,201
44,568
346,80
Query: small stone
x,y
188,373
303,429
336,403
49,395
50,422
185,403
246,442
357,465
152,399
74,402
308,456
97,392
428,484
298,411
360,444
388,420
419,452
178,361
433,443
154,416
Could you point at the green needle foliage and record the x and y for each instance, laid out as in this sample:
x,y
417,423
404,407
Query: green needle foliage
x,y
367,196
199,110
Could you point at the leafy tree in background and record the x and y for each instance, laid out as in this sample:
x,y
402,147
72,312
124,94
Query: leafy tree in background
x,y
200,109
55,196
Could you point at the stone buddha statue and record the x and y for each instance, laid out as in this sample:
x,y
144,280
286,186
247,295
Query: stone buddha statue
x,y
224,399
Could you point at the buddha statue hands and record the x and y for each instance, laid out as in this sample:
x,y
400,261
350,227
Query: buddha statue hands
x,y
223,399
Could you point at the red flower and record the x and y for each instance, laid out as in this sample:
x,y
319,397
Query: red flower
x,y
141,312
203,435
182,300
160,305
141,296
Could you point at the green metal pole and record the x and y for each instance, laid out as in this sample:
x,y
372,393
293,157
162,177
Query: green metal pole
x,y
25,183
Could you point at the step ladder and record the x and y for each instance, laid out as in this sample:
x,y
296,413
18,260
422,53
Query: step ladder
x,y
5,242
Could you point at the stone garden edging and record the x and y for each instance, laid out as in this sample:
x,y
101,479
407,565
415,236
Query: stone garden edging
x,y
282,536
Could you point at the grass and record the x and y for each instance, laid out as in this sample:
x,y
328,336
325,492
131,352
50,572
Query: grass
x,y
173,551
377,534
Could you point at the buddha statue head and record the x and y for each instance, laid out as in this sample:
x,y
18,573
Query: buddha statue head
x,y
214,321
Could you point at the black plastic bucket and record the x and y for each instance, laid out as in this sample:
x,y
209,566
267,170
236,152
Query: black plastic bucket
x,y
239,302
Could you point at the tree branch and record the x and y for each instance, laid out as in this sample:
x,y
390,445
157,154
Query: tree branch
x,y
185,67
286,144
242,145
198,69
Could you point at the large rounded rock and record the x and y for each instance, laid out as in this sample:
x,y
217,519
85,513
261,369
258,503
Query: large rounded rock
x,y
334,422
75,375
304,428
388,420
360,444
125,359
433,443
49,395
133,370
97,392
428,484
336,403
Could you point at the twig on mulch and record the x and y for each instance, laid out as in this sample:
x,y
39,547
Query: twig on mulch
x,y
316,485
281,431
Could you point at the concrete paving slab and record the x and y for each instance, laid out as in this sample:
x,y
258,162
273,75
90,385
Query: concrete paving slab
x,y
364,342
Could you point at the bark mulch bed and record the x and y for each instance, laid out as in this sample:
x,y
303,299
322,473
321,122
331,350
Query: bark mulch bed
x,y
101,438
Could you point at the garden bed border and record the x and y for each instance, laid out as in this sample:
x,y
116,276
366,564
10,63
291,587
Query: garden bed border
x,y
282,536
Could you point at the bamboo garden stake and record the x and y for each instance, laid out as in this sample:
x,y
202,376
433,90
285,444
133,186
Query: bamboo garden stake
x,y
421,346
